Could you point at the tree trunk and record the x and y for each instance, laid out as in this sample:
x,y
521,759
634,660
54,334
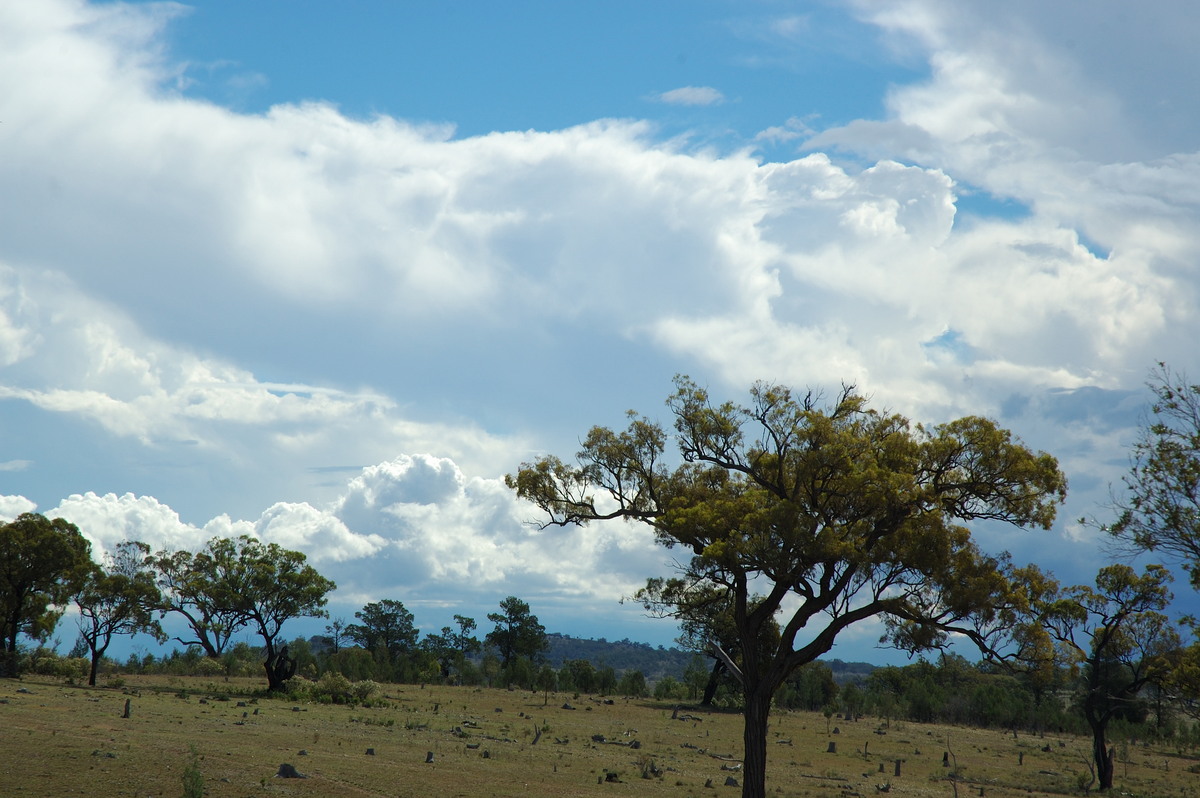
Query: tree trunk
x,y
8,658
714,681
280,667
97,655
8,662
1103,755
754,766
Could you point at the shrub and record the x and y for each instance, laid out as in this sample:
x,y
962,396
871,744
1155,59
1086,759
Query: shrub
x,y
209,667
333,687
300,689
73,668
193,780
364,691
669,688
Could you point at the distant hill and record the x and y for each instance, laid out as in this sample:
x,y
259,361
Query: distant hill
x,y
620,655
847,672
657,662
654,662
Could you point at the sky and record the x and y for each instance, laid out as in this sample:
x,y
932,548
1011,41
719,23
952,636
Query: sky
x,y
324,275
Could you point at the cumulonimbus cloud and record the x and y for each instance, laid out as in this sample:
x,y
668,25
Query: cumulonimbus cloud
x,y
414,526
297,290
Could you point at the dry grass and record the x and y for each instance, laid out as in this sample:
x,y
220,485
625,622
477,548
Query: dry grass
x,y
58,740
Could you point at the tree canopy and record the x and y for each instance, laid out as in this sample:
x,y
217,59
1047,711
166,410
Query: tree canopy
x,y
517,633
43,562
238,582
276,585
384,625
1161,508
119,597
199,587
847,512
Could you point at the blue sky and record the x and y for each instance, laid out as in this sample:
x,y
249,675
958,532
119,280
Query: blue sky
x,y
325,275
541,65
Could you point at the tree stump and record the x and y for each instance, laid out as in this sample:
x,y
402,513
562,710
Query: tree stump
x,y
287,771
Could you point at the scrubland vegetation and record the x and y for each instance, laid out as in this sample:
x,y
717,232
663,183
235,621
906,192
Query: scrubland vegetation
x,y
230,737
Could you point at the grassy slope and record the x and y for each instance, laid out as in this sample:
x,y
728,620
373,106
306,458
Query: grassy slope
x,y
58,740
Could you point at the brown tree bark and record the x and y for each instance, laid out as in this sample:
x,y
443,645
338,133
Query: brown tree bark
x,y
754,737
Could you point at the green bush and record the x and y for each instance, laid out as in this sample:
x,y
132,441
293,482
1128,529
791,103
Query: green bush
x,y
333,687
193,779
669,688
300,689
209,667
364,691
73,668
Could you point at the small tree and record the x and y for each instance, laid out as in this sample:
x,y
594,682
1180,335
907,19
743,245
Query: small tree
x,y
441,650
275,585
385,625
118,598
632,684
43,562
1116,635
839,514
547,682
336,631
463,640
580,674
1160,508
517,633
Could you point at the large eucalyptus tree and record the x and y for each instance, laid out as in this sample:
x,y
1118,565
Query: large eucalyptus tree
x,y
813,518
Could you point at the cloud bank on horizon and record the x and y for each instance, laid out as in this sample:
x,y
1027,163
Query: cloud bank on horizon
x,y
361,323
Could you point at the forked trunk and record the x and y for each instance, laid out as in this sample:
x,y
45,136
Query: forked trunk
x,y
97,655
1103,755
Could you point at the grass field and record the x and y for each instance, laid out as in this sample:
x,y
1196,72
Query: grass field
x,y
61,740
